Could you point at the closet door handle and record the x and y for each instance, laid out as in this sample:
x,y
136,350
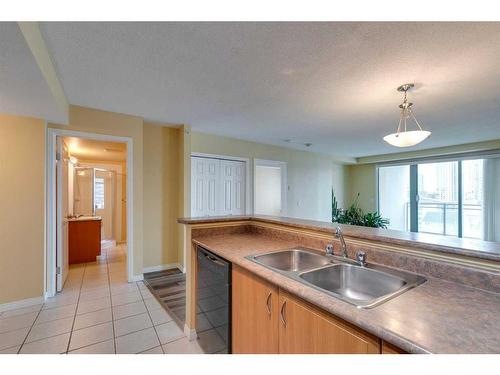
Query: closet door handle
x,y
269,303
282,313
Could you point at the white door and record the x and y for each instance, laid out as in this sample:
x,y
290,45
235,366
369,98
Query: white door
x,y
205,185
270,188
62,177
233,187
217,187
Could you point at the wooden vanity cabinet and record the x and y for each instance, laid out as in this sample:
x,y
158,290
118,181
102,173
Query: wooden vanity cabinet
x,y
305,329
254,314
84,240
266,319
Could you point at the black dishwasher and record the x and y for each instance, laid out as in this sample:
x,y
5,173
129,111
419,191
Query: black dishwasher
x,y
213,300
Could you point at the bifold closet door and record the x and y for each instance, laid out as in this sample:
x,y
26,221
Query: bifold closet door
x,y
217,187
205,186
233,187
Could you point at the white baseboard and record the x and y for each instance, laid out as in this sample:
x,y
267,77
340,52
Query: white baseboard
x,y
136,278
21,303
161,267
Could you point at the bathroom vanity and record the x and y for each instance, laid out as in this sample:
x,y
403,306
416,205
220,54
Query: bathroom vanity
x,y
84,237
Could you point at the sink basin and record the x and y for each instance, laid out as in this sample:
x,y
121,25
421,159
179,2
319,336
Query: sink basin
x,y
358,285
362,286
293,260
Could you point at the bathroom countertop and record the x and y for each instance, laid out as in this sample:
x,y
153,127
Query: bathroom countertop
x,y
435,317
85,218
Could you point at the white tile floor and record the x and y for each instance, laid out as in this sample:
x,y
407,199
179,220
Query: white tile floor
x,y
98,312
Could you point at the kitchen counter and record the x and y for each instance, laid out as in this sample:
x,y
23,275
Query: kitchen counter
x,y
435,317
486,250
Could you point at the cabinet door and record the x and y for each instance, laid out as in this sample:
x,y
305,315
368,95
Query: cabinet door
x,y
254,314
391,349
306,329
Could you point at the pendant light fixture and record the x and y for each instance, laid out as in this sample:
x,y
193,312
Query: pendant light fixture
x,y
404,137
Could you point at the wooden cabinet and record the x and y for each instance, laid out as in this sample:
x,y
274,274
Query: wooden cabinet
x,y
304,328
84,237
391,349
266,319
254,314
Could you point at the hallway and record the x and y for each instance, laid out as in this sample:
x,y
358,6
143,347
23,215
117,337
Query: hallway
x,y
98,312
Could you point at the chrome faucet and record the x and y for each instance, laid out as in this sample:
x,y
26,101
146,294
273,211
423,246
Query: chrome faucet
x,y
339,235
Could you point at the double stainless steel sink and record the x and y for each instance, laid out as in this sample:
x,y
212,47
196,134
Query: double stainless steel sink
x,y
363,286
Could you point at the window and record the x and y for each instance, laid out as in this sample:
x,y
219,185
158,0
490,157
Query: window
x,y
454,198
438,198
99,193
394,204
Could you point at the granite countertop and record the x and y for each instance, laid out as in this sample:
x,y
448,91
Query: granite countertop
x,y
85,218
435,317
430,242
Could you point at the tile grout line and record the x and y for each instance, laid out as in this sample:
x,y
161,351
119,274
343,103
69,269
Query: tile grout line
x,y
31,327
154,327
111,302
76,309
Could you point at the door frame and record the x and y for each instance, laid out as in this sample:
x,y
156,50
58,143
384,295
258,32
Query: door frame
x,y
284,180
51,210
60,279
248,205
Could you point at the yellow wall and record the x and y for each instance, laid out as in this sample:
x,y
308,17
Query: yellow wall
x,y
162,177
161,183
22,209
361,179
311,176
110,123
184,187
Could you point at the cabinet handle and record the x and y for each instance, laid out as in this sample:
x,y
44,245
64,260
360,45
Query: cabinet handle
x,y
269,303
282,313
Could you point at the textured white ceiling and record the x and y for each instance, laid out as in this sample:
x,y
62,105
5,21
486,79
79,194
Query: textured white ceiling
x,y
331,84
23,90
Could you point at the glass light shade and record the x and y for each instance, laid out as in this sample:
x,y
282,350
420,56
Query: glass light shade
x,y
407,139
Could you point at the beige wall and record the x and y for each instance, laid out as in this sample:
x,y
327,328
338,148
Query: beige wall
x,y
162,180
102,122
22,210
311,176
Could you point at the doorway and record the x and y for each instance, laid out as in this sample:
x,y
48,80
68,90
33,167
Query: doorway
x,y
270,187
89,181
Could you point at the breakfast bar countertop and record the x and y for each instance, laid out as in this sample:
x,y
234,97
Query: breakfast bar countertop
x,y
486,250
436,317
